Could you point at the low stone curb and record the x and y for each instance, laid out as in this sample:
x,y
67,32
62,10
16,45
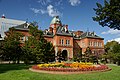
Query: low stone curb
x,y
58,72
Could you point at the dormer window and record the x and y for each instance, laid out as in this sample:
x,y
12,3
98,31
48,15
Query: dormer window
x,y
25,26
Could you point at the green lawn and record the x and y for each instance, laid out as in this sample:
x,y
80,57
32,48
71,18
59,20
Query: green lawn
x,y
21,72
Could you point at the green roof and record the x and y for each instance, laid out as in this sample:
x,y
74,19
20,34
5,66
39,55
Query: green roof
x,y
22,27
56,20
90,35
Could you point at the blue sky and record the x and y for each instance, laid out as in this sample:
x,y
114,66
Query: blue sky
x,y
76,13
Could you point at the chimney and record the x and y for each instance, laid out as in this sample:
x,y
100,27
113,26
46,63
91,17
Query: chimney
x,y
93,33
66,28
50,29
78,33
54,29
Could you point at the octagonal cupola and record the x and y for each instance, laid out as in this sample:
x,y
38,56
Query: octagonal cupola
x,y
56,21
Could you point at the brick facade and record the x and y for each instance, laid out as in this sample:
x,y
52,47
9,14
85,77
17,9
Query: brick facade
x,y
71,41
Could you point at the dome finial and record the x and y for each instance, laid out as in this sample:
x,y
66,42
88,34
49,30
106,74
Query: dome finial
x,y
57,16
3,16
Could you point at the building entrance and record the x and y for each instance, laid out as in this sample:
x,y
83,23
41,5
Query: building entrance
x,y
64,55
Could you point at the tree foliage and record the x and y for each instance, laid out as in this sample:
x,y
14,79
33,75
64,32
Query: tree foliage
x,y
108,14
37,49
11,48
113,51
88,52
79,55
1,48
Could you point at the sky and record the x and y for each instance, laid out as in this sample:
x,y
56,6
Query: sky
x,y
77,14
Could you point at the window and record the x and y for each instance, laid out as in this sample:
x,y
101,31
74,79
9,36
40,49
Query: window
x,y
22,39
100,44
90,43
67,42
26,38
97,43
61,41
94,43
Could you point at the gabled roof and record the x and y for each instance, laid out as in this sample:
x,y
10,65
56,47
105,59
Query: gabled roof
x,y
62,31
22,27
89,35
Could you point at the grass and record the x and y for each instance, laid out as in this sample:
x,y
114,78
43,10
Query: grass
x,y
21,72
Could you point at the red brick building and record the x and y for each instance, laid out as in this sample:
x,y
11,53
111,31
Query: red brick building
x,y
72,41
69,42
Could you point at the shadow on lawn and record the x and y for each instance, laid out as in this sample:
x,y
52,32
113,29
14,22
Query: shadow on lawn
x,y
7,67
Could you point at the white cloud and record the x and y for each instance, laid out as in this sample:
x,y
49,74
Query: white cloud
x,y
59,3
116,39
52,12
44,2
35,10
74,2
43,11
111,31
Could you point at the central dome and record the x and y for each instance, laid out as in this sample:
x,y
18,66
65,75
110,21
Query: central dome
x,y
56,20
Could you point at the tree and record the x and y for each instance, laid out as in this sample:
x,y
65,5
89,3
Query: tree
x,y
59,55
108,51
116,52
113,51
37,49
90,57
109,14
79,55
110,45
87,54
49,52
11,47
1,49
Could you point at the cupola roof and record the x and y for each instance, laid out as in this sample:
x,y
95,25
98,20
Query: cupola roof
x,y
56,20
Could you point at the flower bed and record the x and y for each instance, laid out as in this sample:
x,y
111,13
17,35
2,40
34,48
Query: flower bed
x,y
70,67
